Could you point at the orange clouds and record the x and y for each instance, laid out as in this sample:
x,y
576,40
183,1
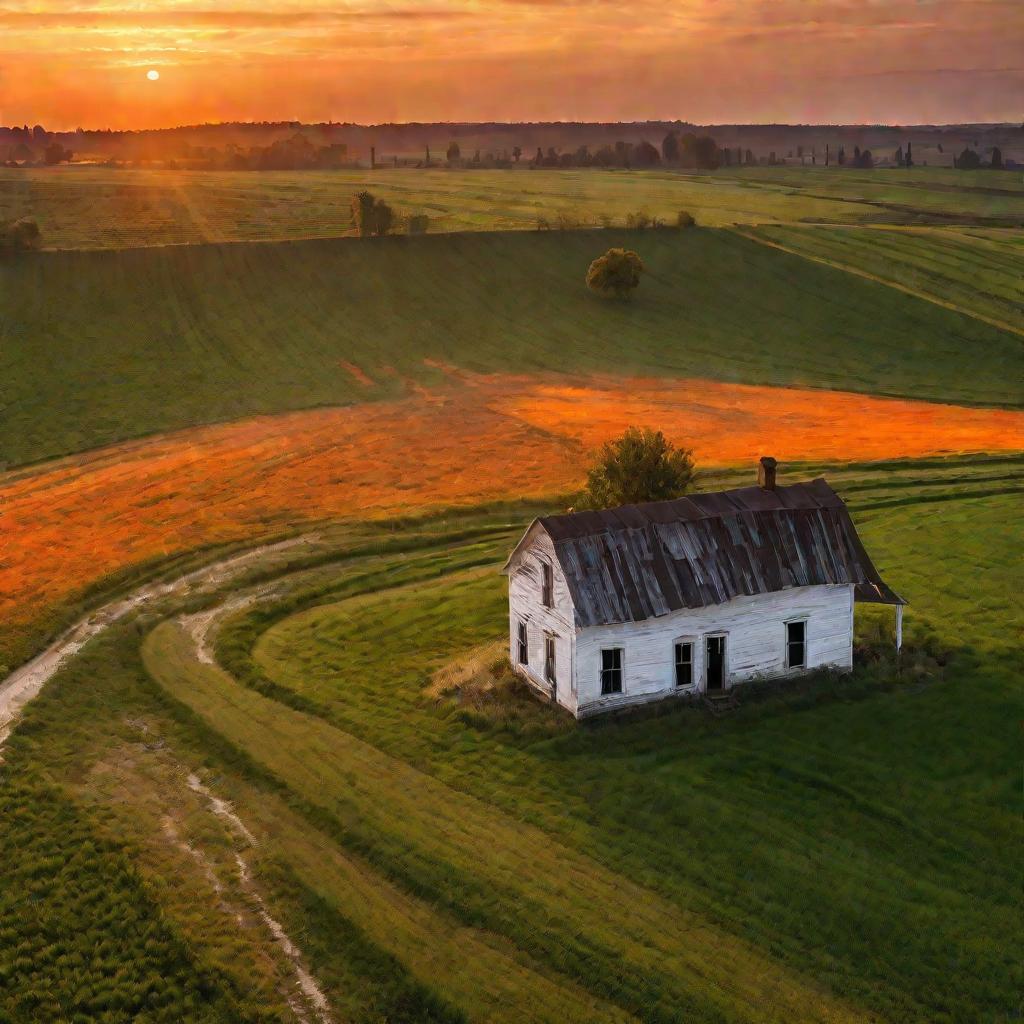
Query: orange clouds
x,y
365,60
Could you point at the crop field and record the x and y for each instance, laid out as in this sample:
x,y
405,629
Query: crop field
x,y
100,208
977,270
152,340
75,524
832,852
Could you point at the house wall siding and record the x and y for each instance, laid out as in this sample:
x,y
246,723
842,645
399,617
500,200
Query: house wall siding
x,y
525,604
755,644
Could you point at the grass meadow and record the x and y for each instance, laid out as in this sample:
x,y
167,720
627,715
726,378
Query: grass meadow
x,y
101,208
972,269
834,851
154,340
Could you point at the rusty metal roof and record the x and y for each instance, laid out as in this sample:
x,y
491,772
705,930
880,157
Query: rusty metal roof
x,y
639,561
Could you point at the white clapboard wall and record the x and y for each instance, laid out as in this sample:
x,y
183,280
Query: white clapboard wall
x,y
754,628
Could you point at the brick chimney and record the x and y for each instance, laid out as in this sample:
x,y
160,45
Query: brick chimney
x,y
766,473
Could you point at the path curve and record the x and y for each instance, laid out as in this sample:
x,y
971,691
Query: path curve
x,y
25,682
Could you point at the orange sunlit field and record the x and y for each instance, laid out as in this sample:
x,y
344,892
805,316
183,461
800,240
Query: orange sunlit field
x,y
483,438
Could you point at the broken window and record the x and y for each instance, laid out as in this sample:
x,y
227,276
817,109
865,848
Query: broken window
x,y
549,658
611,670
524,647
796,644
684,663
547,595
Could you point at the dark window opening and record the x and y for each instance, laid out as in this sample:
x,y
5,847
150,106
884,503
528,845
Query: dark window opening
x,y
549,658
796,644
524,647
684,664
611,670
548,586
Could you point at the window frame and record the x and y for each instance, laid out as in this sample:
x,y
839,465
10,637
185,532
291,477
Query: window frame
x,y
550,659
523,643
801,621
676,644
547,583
620,669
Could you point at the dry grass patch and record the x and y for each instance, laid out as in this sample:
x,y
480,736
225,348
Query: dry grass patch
x,y
482,688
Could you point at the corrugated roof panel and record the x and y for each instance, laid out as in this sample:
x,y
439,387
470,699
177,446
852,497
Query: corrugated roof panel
x,y
641,561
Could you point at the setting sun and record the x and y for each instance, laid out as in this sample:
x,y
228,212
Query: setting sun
x,y
532,59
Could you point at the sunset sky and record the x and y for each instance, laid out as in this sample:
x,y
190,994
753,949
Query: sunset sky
x,y
65,63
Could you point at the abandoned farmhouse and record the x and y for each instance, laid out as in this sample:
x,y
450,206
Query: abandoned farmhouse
x,y
691,596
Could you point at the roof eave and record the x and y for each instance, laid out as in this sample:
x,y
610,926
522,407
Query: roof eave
x,y
523,541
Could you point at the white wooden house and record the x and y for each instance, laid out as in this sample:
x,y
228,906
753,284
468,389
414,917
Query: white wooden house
x,y
691,596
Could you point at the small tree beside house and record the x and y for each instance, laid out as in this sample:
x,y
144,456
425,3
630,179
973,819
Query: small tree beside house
x,y
641,465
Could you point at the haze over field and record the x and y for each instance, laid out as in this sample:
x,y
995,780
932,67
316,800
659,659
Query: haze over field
x,y
164,62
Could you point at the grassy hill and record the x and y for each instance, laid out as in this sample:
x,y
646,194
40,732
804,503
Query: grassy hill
x,y
94,207
834,852
101,346
980,270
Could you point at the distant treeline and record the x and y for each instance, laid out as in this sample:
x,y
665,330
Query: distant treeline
x,y
294,145
295,153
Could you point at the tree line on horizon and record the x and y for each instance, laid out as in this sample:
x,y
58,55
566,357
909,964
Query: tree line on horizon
x,y
318,147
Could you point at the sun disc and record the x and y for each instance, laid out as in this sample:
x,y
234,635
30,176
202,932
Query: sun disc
x,y
153,75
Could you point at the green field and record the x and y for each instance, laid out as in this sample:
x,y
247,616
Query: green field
x,y
150,340
99,208
974,269
837,851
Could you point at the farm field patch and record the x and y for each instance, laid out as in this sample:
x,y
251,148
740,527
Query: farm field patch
x,y
73,522
147,341
94,207
980,271
843,843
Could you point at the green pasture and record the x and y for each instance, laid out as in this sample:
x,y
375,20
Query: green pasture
x,y
977,270
100,347
834,851
99,208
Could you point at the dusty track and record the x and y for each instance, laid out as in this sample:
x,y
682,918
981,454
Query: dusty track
x,y
24,683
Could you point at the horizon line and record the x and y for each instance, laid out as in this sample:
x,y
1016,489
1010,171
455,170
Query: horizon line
x,y
525,124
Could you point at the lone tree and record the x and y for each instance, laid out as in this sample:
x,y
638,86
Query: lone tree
x,y
454,152
55,153
968,160
615,273
371,216
19,235
383,218
362,213
646,155
670,147
641,465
